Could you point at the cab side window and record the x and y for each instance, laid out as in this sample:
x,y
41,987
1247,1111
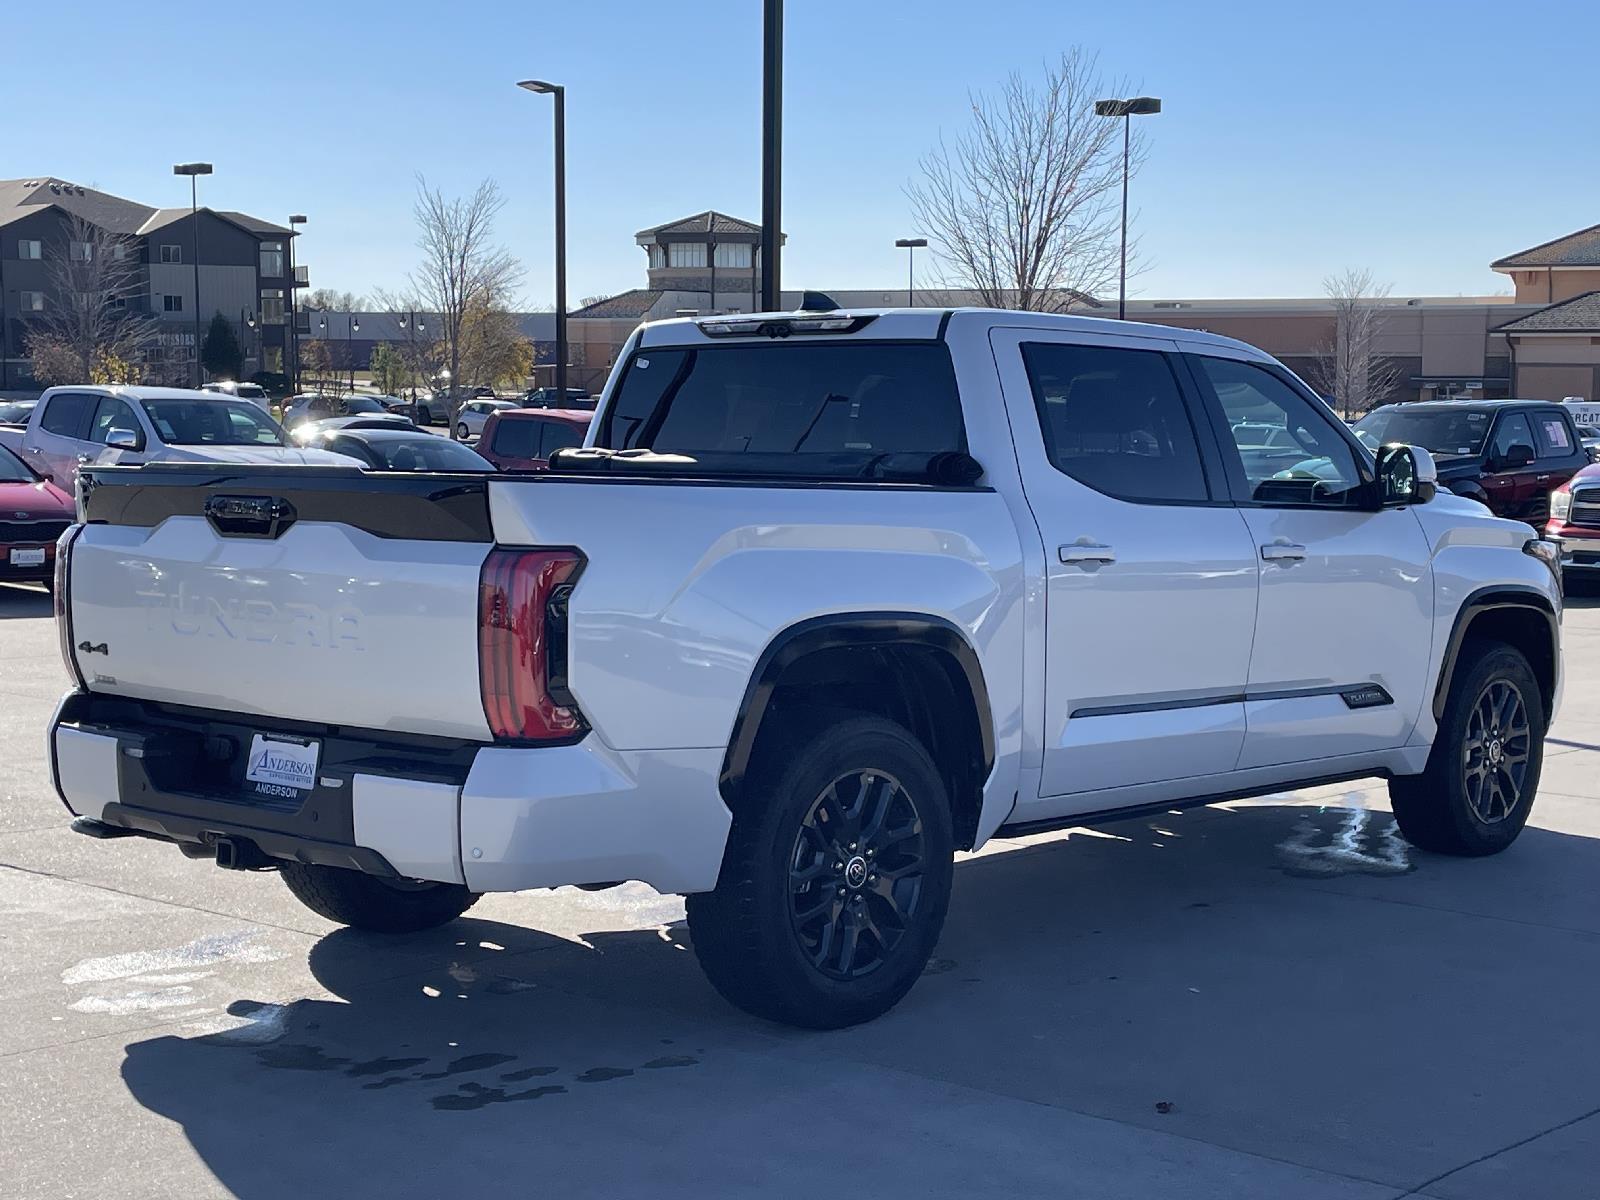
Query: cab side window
x,y
1115,420
1286,450
1511,432
113,416
66,414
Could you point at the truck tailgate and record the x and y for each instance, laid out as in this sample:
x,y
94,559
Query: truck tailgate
x,y
320,594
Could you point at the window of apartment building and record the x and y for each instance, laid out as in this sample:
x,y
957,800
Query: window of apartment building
x,y
171,254
30,248
172,304
686,254
733,254
658,257
271,305
30,301
272,259
80,251
272,359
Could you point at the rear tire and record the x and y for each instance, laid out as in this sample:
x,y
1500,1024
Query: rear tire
x,y
424,415
462,432
1475,795
835,881
381,905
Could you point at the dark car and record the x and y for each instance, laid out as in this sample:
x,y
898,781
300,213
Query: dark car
x,y
519,439
316,407
1508,454
16,412
33,514
389,448
304,433
549,397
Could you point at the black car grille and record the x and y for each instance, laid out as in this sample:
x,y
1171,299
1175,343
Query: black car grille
x,y
30,533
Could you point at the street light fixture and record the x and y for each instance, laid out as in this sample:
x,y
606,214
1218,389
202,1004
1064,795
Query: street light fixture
x,y
247,319
543,88
1134,106
193,171
294,321
352,327
911,246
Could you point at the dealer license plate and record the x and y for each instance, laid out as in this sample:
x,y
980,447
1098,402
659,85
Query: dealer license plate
x,y
281,766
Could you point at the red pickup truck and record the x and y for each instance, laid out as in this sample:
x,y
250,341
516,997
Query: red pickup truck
x,y
524,439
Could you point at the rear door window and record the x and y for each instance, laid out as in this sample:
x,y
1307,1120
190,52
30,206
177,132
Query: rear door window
x,y
559,435
1555,438
514,438
66,414
828,408
1115,420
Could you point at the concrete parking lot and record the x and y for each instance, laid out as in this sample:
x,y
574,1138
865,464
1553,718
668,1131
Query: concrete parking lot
x,y
1266,999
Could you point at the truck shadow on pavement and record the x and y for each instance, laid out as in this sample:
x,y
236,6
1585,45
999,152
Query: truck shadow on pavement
x,y
19,600
1248,976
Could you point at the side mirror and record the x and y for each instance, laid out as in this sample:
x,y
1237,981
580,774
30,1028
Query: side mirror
x,y
124,439
1406,475
1519,455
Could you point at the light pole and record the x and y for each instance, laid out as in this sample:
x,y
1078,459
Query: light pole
x,y
351,328
1136,106
771,152
911,246
560,94
413,325
193,171
247,320
322,336
294,321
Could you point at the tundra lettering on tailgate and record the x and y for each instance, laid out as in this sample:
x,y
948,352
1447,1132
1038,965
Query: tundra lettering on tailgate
x,y
256,619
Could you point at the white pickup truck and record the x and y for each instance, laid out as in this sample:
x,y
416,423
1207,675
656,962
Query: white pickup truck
x,y
828,597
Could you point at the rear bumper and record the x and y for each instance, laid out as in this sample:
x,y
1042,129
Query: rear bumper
x,y
493,818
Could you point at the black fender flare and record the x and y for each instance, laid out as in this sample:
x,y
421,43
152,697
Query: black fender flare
x,y
1485,599
859,629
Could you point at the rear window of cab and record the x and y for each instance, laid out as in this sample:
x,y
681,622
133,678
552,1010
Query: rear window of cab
x,y
832,406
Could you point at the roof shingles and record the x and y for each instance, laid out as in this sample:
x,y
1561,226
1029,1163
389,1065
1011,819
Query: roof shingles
x,y
1580,249
1581,314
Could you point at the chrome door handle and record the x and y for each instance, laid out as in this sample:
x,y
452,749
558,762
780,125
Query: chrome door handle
x,y
1282,552
1085,553
1543,478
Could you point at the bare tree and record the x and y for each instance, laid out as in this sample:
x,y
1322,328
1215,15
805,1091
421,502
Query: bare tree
x,y
1023,209
92,325
333,300
462,269
1349,367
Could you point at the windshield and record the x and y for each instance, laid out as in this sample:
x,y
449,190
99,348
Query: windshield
x,y
212,423
14,413
829,408
12,469
1439,430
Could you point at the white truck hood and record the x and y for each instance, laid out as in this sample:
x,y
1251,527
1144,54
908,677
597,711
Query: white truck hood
x,y
244,455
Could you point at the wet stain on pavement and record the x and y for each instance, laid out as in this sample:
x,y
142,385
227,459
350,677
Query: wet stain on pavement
x,y
938,966
603,1074
669,1060
528,1073
470,1062
472,1096
299,1058
384,1066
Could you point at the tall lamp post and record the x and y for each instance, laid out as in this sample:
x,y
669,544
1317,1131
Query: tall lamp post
x,y
413,325
1136,106
771,153
351,328
247,320
560,94
911,246
193,171
294,321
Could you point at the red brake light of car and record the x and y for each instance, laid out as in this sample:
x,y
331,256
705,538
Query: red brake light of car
x,y
522,645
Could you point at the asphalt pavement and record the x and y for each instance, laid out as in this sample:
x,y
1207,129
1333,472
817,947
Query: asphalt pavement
x,y
1275,998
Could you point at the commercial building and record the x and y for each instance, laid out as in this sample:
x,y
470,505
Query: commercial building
x,y
1541,342
244,273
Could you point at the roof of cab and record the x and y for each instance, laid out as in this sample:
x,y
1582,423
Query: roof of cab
x,y
927,323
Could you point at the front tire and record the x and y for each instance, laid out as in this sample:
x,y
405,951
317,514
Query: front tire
x,y
424,416
462,432
381,905
1475,795
835,881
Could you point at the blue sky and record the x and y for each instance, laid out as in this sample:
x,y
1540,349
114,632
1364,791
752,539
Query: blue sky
x,y
1296,140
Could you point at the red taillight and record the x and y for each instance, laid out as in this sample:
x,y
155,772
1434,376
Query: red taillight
x,y
522,645
63,613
